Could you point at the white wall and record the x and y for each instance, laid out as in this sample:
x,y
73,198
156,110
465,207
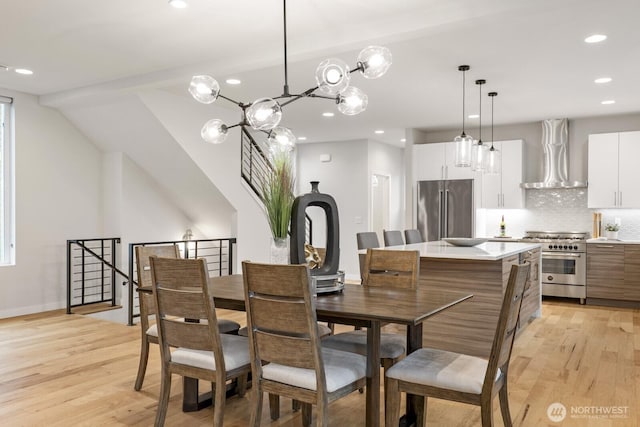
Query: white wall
x,y
183,118
347,177
58,197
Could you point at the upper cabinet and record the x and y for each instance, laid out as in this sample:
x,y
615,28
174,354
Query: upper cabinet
x,y
613,170
503,191
437,161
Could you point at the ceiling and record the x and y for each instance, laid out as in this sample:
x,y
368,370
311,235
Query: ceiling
x,y
531,52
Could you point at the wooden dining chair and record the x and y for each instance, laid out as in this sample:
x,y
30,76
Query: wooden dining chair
x,y
148,328
413,236
392,237
286,355
384,268
462,378
189,346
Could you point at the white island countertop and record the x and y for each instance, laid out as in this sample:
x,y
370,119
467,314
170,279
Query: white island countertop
x,y
489,251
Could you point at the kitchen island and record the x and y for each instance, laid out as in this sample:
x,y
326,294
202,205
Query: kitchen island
x,y
482,270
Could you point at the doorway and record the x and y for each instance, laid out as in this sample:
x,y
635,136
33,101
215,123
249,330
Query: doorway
x,y
380,207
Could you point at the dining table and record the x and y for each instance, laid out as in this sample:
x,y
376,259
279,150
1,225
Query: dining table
x,y
364,306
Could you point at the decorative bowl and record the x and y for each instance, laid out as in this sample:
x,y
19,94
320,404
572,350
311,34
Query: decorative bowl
x,y
465,241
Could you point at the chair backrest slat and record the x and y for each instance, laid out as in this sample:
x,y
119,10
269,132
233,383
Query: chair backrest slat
x,y
270,314
396,269
285,350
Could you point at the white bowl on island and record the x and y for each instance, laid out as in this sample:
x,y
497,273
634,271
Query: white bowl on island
x,y
465,241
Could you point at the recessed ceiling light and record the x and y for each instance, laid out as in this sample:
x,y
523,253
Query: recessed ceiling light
x,y
233,81
302,138
595,38
608,102
403,140
602,80
23,71
379,131
178,4
328,114
473,116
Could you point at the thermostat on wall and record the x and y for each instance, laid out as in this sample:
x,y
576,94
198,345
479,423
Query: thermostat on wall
x,y
325,157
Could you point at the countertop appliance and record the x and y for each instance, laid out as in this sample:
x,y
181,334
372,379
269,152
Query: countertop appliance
x,y
445,208
564,262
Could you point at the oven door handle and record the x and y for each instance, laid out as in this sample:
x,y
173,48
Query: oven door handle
x,y
557,255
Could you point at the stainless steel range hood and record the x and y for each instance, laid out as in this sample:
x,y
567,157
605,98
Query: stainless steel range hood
x,y
555,146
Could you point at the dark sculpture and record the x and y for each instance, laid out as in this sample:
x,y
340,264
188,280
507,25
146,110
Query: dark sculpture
x,y
332,257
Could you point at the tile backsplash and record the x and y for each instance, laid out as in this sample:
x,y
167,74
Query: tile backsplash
x,y
557,210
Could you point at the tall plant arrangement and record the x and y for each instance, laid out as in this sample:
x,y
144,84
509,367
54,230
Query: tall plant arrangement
x,y
277,194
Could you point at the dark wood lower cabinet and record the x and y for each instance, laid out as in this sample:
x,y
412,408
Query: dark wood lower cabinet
x,y
613,272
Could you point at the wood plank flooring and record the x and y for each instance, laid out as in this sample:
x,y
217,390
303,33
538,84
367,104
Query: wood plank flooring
x,y
72,370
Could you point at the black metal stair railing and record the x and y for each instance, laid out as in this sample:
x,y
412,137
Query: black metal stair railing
x,y
255,165
218,254
92,271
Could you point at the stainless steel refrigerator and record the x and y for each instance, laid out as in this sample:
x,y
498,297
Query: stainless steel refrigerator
x,y
445,208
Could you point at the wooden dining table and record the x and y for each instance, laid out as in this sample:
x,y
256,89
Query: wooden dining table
x,y
356,305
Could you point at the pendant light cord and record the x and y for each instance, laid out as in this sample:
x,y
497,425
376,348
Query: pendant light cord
x,y
463,86
286,71
492,95
480,118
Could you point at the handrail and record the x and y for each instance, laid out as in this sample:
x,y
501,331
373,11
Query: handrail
x,y
104,261
87,284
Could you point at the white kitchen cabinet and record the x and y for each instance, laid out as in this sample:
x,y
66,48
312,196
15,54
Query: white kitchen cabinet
x,y
503,190
613,170
429,161
437,161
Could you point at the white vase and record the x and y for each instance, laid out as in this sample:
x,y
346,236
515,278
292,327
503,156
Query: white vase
x,y
613,235
279,251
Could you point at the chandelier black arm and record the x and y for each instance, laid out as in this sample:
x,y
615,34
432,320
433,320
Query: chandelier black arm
x,y
236,125
233,101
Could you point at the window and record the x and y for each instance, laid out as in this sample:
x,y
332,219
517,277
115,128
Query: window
x,y
7,226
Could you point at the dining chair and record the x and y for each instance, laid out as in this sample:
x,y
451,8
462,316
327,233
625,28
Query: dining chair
x,y
394,269
149,331
367,239
459,377
287,358
392,237
189,346
413,236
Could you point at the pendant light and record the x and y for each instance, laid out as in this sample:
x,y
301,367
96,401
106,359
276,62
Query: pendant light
x,y
479,150
493,163
463,141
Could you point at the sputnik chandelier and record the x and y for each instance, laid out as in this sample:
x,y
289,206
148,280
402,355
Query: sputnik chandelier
x,y
333,78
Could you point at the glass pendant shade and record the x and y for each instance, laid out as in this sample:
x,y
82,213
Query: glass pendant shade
x,y
374,61
478,156
463,150
281,140
264,114
493,162
204,89
352,101
214,131
332,76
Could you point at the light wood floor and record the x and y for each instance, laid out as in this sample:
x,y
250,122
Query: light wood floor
x,y
70,370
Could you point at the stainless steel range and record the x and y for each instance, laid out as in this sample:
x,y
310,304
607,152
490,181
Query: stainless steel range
x,y
564,262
